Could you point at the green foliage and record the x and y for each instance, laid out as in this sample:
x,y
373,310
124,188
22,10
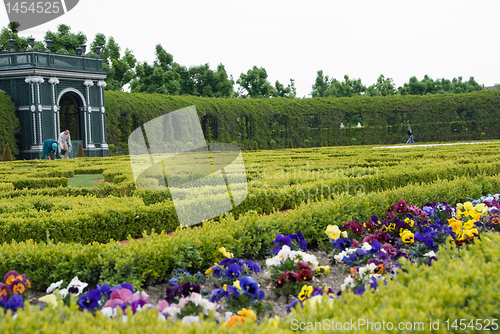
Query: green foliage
x,y
9,124
255,147
121,69
64,41
324,143
255,83
167,77
450,117
81,153
7,154
290,143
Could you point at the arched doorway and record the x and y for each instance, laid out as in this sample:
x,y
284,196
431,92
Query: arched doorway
x,y
71,104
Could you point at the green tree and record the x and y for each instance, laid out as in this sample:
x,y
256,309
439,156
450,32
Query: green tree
x,y
121,68
64,41
10,32
160,77
281,91
320,85
255,83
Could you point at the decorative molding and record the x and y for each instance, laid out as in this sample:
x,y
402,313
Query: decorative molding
x,y
38,92
88,83
103,139
34,79
67,74
77,92
55,108
90,127
55,127
103,109
53,80
40,127
34,128
46,108
32,108
40,108
101,83
23,108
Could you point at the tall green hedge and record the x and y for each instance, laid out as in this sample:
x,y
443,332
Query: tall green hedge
x,y
383,120
9,123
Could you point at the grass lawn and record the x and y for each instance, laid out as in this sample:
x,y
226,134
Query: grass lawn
x,y
84,180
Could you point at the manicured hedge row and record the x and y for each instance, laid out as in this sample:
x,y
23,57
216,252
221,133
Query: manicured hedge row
x,y
148,261
93,222
38,183
101,191
8,187
461,285
271,122
82,219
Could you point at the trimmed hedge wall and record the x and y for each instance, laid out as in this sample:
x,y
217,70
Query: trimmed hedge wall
x,y
272,122
9,124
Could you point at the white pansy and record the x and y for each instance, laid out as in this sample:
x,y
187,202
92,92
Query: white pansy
x,y
173,311
63,293
54,286
340,256
367,247
108,312
76,286
430,254
190,319
347,281
371,267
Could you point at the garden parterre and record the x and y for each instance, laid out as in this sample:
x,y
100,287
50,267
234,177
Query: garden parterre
x,y
146,262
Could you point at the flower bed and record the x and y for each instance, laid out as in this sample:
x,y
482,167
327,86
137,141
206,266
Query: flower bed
x,y
375,254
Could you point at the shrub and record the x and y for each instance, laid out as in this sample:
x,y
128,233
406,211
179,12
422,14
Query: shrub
x,y
323,142
290,143
255,147
81,153
7,154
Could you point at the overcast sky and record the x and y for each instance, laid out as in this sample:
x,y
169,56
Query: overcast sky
x,y
295,39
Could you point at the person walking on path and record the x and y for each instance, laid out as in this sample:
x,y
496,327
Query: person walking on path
x,y
410,136
64,142
50,150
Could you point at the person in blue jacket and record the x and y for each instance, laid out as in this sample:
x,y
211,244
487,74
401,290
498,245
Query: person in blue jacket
x,y
50,150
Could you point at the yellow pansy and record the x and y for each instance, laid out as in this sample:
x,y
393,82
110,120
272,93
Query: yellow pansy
x,y
470,233
407,237
409,221
469,224
247,313
344,234
226,254
468,205
460,206
481,207
49,299
333,232
325,268
305,292
236,284
455,224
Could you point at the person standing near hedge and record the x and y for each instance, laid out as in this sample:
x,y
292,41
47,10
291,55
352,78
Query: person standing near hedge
x,y
50,150
410,136
64,142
